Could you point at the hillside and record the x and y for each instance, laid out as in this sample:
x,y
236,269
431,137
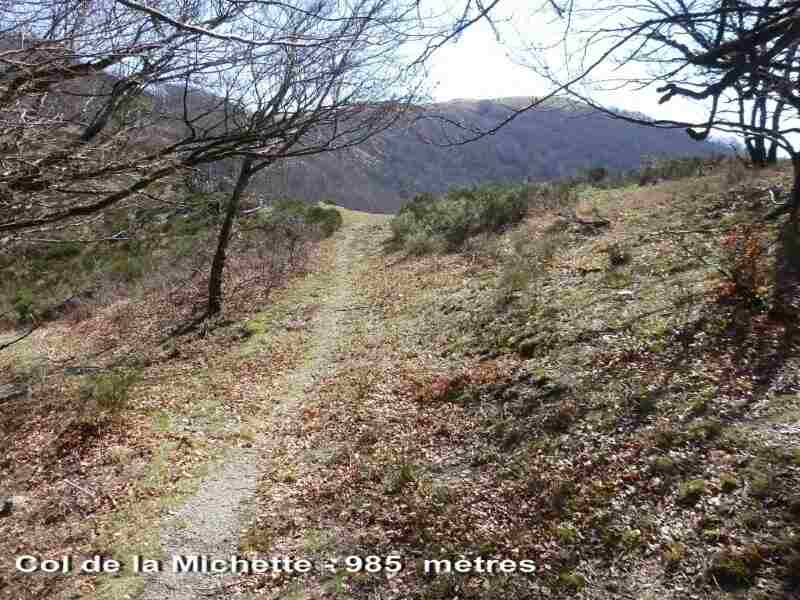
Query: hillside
x,y
593,387
547,143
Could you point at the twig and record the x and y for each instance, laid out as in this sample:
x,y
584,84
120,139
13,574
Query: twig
x,y
684,231
20,338
77,487
117,237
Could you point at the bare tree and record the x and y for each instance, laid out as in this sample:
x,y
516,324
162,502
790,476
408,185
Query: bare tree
x,y
99,100
723,54
730,56
102,100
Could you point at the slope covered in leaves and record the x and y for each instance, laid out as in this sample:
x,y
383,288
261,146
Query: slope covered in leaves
x,y
120,419
608,390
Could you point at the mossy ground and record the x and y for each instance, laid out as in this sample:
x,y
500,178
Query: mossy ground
x,y
100,467
612,416
604,400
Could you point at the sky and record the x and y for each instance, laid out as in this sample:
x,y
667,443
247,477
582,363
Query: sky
x,y
478,66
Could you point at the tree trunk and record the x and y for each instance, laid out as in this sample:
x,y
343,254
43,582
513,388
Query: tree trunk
x,y
772,155
218,264
757,152
755,143
794,211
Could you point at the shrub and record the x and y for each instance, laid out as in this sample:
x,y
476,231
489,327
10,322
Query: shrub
x,y
654,169
691,491
673,554
663,465
569,580
728,482
735,567
293,214
329,220
61,251
128,267
762,484
596,174
617,254
398,476
426,223
555,195
110,391
745,266
23,304
419,244
564,416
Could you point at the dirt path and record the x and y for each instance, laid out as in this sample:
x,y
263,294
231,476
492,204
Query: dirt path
x,y
210,522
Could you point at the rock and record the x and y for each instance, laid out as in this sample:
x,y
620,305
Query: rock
x,y
10,392
6,506
527,347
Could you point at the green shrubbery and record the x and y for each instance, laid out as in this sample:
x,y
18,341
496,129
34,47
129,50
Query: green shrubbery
x,y
62,251
427,224
655,169
652,170
161,246
327,219
23,304
297,213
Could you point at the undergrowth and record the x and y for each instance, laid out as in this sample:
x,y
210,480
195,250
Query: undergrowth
x,y
429,224
606,399
151,249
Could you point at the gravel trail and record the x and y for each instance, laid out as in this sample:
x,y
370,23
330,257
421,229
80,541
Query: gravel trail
x,y
209,523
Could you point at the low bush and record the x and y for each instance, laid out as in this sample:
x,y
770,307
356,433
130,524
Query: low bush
x,y
747,272
23,304
329,220
61,251
655,169
128,268
108,393
528,260
428,223
295,213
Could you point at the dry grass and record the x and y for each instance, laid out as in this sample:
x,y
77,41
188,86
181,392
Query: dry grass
x,y
99,455
606,452
623,419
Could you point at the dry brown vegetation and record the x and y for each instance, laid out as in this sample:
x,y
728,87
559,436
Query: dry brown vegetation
x,y
122,418
626,417
608,388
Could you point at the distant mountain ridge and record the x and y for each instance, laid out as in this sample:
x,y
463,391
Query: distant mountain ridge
x,y
547,143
